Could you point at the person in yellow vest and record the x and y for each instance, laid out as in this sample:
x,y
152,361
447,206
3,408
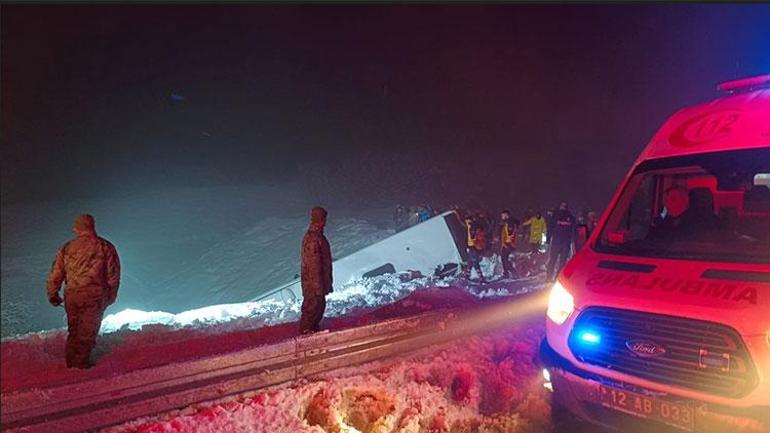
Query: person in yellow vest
x,y
507,243
476,243
537,228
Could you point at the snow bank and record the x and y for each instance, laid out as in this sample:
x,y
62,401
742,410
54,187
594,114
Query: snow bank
x,y
362,294
161,338
481,384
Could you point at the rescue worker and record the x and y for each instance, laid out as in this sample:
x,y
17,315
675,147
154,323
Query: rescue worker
x,y
507,242
537,227
550,223
561,240
592,221
484,221
91,268
412,217
316,272
399,218
476,243
581,233
423,213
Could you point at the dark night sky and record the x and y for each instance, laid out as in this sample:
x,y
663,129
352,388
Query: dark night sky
x,y
504,103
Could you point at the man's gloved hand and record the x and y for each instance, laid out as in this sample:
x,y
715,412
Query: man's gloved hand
x,y
55,300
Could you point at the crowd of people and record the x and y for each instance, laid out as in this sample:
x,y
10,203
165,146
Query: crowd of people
x,y
524,245
89,267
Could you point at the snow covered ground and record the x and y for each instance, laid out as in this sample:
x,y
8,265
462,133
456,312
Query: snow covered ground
x,y
481,384
180,248
164,339
190,256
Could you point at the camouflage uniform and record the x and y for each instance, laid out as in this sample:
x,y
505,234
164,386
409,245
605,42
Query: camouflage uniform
x,y
316,274
91,269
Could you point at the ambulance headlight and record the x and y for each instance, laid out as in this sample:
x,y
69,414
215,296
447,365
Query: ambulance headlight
x,y
560,304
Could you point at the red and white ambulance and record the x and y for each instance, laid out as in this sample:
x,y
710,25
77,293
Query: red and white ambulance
x,y
662,322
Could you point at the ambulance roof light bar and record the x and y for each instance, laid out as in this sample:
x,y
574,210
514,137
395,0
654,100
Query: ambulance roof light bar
x,y
745,84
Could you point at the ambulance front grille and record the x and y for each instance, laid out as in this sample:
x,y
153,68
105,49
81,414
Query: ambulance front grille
x,y
687,353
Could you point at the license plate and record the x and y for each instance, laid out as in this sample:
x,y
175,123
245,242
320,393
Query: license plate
x,y
674,414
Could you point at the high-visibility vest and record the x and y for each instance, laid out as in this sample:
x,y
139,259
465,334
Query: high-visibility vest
x,y
537,227
507,236
469,238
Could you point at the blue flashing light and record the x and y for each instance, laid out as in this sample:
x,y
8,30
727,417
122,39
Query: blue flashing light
x,y
589,337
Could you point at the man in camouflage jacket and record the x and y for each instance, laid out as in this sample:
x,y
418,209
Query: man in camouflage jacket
x,y
316,272
91,269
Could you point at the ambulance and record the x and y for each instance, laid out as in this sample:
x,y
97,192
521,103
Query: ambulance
x,y
662,321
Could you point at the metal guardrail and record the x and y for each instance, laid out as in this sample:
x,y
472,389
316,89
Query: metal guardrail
x,y
99,403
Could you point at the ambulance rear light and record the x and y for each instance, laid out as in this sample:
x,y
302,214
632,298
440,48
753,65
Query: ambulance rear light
x,y
745,84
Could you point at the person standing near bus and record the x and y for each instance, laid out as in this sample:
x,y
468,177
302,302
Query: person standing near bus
x,y
316,272
561,240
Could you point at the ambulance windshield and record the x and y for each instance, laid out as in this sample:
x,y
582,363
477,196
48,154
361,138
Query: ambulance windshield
x,y
713,207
